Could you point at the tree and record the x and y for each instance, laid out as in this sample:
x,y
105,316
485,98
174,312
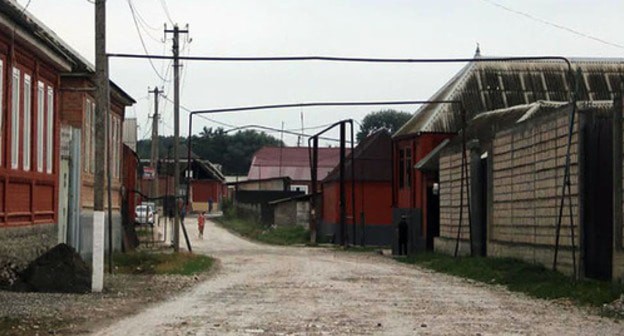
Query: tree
x,y
232,151
389,119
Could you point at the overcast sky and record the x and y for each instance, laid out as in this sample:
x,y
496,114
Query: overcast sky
x,y
363,28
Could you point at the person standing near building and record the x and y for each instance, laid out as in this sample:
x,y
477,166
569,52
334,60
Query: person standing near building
x,y
403,229
210,205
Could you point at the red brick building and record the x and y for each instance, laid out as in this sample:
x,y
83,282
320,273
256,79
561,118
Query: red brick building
x,y
45,91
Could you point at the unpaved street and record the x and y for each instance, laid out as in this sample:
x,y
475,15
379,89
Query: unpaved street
x,y
270,290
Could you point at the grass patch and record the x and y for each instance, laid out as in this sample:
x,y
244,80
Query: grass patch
x,y
519,276
161,263
271,235
360,249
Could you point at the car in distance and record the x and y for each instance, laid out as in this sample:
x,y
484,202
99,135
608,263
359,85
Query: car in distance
x,y
144,214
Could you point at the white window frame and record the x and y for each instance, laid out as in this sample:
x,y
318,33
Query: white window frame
x,y
27,134
1,105
15,113
41,98
50,131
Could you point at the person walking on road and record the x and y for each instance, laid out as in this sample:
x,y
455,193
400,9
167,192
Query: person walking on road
x,y
201,221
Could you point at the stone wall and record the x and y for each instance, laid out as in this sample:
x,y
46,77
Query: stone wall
x,y
20,245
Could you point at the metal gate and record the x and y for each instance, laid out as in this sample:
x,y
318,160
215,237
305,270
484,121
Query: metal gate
x,y
597,195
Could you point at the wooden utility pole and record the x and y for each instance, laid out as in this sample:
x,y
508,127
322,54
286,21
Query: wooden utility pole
x,y
101,112
154,152
176,130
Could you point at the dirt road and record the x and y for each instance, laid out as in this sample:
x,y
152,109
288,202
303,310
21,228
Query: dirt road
x,y
266,290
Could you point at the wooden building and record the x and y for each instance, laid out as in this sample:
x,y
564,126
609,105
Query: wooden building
x,y
373,194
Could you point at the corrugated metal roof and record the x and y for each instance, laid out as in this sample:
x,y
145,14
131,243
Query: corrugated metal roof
x,y
373,159
293,162
487,86
485,125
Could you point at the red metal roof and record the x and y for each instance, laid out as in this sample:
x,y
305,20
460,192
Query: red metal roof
x,y
293,162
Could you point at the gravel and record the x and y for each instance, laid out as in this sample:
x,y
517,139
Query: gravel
x,y
267,290
75,314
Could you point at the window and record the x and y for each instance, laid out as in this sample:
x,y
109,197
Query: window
x,y
117,144
408,168
1,103
87,137
40,121
27,122
50,131
401,168
92,155
15,112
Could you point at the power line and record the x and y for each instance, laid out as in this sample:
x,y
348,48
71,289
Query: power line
x,y
163,3
136,25
552,24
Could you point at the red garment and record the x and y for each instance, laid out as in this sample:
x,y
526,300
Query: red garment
x,y
200,223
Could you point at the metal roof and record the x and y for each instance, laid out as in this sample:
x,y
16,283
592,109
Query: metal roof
x,y
373,159
487,86
293,162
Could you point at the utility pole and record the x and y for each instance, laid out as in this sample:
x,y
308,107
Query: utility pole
x,y
176,129
101,112
154,152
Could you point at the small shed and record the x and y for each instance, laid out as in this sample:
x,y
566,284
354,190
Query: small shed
x,y
292,211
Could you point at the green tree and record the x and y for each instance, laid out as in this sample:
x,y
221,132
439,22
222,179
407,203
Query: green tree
x,y
232,151
389,119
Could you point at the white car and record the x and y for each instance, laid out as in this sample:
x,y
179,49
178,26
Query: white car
x,y
144,214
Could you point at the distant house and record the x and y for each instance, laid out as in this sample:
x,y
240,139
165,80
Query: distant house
x,y
479,87
204,178
373,194
292,162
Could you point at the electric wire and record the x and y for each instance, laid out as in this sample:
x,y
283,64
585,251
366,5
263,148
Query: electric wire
x,y
163,3
555,25
138,29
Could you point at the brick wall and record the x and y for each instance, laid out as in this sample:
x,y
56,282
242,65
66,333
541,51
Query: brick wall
x,y
450,199
527,176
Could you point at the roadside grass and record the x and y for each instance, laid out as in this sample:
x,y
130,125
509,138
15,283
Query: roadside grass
x,y
360,249
519,276
161,263
249,228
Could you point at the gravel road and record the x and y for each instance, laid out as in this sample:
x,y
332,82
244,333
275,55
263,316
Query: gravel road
x,y
267,290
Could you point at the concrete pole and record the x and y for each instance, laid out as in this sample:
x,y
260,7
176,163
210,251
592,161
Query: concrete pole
x,y
176,135
101,106
154,152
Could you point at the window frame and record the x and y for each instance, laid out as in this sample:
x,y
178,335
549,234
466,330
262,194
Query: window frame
x,y
27,122
41,108
15,116
50,130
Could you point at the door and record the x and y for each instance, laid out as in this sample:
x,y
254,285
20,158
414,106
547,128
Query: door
x,y
433,216
63,201
598,197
